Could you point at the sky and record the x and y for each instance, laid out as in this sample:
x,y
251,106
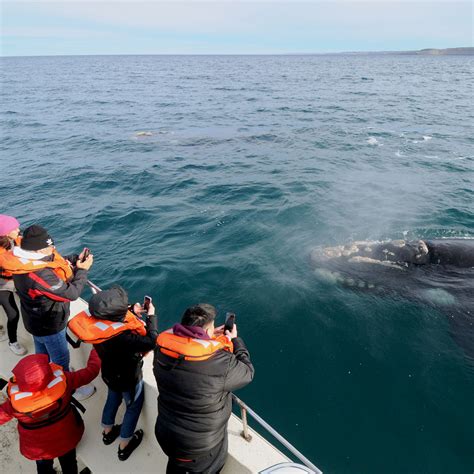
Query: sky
x,y
64,27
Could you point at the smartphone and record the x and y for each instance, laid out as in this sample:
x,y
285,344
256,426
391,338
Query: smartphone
x,y
146,302
229,322
86,254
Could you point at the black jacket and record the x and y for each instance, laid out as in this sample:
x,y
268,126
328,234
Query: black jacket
x,y
122,357
195,402
45,298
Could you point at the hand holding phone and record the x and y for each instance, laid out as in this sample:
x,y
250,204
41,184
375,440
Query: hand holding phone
x,y
85,260
146,303
85,253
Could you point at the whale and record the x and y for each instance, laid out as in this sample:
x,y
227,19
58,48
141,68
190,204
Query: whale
x,y
143,134
437,272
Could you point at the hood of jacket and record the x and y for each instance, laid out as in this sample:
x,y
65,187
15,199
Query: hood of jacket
x,y
190,331
33,373
111,304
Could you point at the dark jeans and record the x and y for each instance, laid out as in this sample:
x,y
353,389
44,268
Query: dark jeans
x,y
7,300
133,401
211,462
68,464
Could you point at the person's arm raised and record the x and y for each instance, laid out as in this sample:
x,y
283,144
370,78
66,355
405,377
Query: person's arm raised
x,y
48,284
240,371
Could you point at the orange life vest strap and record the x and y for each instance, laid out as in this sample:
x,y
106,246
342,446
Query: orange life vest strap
x,y
94,330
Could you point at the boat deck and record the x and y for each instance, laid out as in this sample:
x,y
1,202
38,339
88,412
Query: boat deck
x,y
244,457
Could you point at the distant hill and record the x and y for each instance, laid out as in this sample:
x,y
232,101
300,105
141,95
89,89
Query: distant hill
x,y
442,52
467,51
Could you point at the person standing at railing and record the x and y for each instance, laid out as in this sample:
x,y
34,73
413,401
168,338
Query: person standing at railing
x,y
9,237
121,338
46,283
196,369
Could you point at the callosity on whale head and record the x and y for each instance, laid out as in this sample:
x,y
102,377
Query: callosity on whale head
x,y
388,253
398,253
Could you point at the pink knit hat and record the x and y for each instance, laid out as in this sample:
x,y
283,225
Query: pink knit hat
x,y
7,224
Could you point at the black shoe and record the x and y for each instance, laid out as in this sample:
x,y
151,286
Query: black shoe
x,y
136,439
111,436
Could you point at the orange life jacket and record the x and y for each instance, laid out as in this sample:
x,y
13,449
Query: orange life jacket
x,y
5,274
189,348
94,331
38,405
14,265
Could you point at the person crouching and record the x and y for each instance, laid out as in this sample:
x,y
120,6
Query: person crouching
x,y
122,360
49,425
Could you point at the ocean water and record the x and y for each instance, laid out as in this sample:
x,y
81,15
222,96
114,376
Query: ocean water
x,y
249,162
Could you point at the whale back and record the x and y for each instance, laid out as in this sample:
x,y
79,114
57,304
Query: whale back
x,y
457,252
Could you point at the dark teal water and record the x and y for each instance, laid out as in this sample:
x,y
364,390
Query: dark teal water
x,y
252,161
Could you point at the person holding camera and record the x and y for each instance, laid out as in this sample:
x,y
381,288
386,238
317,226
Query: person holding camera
x,y
46,283
121,339
196,367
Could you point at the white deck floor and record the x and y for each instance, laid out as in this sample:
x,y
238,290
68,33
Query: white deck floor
x,y
244,457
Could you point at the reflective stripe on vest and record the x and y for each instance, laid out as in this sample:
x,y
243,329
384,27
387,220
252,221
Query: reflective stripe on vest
x,y
193,349
94,331
33,402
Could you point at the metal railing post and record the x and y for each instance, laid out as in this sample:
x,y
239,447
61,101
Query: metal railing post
x,y
245,433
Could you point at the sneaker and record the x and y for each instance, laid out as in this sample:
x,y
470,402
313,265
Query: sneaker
x,y
17,348
112,435
136,439
84,392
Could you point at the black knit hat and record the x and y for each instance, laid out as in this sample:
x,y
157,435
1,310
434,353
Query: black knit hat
x,y
36,237
111,304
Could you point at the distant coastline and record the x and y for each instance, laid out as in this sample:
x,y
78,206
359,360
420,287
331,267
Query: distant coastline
x,y
466,51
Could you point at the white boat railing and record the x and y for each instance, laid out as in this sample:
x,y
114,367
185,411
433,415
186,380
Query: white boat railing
x,y
95,289
244,410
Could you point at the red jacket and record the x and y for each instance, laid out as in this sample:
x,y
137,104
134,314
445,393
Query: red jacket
x,y
57,439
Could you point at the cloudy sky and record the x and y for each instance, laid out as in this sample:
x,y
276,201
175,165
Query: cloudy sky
x,y
231,27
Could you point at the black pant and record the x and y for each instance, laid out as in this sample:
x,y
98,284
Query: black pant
x,y
211,462
7,300
68,464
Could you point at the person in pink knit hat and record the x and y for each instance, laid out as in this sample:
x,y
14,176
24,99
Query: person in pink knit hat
x,y
9,237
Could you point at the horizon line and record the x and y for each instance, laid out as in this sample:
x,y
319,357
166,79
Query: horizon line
x,y
241,54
